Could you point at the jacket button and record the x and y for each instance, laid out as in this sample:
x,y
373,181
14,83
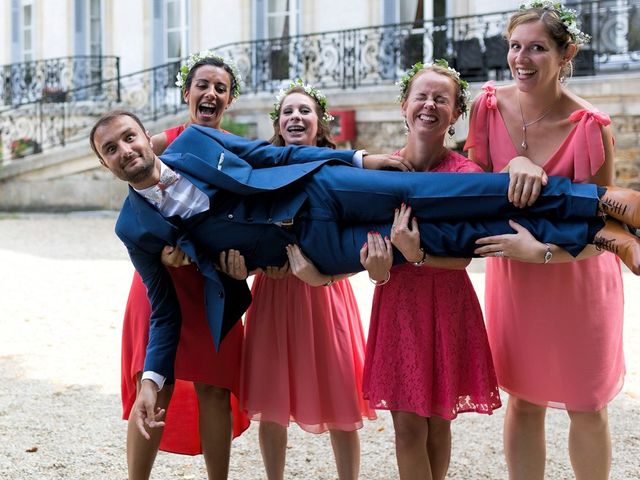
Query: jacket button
x,y
230,216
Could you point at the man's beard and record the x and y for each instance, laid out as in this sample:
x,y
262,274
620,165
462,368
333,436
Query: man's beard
x,y
141,173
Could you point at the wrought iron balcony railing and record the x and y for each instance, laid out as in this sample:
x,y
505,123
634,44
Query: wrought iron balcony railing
x,y
50,79
340,59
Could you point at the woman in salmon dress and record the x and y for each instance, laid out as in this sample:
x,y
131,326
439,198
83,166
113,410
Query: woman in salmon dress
x,y
202,406
554,322
304,345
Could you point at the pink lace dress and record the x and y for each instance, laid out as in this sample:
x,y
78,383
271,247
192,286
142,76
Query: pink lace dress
x,y
555,330
427,350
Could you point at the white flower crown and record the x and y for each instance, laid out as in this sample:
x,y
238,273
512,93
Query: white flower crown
x,y
567,16
313,92
236,80
405,80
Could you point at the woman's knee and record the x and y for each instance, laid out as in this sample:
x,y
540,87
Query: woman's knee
x,y
523,408
210,394
590,421
410,428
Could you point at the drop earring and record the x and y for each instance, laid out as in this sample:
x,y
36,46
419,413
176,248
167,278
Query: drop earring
x,y
451,131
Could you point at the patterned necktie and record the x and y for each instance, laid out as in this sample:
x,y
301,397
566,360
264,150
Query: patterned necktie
x,y
167,177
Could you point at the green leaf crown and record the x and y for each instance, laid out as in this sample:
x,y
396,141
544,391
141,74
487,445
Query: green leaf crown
x,y
313,92
405,80
567,16
181,77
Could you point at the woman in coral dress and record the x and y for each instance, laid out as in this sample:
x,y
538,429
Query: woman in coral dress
x,y
555,327
304,345
428,357
204,412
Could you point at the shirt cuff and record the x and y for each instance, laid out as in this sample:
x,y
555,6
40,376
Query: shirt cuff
x,y
357,158
155,378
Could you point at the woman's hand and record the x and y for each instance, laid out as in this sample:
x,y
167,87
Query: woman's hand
x,y
302,268
405,235
174,257
277,273
376,256
385,161
526,180
521,246
232,263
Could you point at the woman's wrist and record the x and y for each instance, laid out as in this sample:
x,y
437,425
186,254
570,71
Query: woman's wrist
x,y
381,282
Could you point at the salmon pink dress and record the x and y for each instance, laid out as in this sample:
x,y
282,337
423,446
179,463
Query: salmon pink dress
x,y
303,356
427,349
196,358
555,330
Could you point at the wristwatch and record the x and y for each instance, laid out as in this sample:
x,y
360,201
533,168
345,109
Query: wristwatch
x,y
548,255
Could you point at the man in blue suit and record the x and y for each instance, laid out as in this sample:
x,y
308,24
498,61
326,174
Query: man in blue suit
x,y
212,191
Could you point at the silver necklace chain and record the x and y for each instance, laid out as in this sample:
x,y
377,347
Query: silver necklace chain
x,y
524,144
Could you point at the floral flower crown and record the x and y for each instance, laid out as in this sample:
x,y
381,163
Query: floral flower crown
x,y
236,80
567,16
405,80
313,92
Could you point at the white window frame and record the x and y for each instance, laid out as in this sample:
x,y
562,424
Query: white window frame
x,y
182,29
27,30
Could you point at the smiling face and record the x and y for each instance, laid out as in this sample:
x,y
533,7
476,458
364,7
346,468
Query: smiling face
x,y
430,106
534,57
298,121
208,95
125,149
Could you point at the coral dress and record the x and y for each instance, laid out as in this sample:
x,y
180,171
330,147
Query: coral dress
x,y
303,356
555,330
427,350
196,358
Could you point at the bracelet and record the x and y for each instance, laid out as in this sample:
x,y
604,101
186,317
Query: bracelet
x,y
330,282
548,255
381,282
420,262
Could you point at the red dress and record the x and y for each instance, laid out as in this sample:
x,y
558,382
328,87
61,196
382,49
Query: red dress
x,y
427,349
196,359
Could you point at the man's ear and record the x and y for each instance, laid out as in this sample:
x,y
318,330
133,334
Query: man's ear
x,y
148,135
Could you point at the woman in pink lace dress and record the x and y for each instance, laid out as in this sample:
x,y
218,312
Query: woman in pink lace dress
x,y
554,322
427,357
304,344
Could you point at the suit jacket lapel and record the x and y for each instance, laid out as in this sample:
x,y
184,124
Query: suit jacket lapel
x,y
151,218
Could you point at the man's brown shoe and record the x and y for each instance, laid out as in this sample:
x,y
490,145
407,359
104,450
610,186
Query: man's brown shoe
x,y
622,204
615,238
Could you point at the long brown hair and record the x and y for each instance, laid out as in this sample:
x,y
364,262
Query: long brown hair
x,y
323,138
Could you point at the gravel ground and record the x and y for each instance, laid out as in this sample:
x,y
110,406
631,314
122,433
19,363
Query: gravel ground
x,y
63,288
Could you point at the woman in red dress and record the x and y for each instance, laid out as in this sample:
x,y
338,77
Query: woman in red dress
x,y
204,411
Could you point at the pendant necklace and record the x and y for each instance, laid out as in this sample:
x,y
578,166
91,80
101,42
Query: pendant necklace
x,y
525,124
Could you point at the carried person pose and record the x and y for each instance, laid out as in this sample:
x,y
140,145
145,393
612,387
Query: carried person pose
x,y
555,329
428,357
304,344
204,413
213,191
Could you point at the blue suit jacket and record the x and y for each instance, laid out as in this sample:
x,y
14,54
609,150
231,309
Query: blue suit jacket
x,y
212,161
